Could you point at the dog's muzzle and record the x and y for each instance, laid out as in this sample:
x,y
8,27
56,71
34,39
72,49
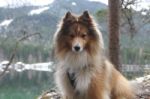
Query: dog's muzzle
x,y
77,48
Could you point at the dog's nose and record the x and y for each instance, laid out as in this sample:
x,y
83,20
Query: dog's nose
x,y
77,48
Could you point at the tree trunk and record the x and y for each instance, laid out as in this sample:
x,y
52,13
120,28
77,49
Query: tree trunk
x,y
114,32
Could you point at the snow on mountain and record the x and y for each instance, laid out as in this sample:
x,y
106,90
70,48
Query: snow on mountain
x,y
38,11
102,1
6,23
74,3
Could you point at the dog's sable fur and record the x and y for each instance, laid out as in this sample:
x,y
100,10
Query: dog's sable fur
x,y
94,76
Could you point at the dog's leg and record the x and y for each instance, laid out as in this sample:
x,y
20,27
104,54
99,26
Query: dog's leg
x,y
64,84
123,89
97,91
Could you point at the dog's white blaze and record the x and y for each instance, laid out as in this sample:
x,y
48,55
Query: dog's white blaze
x,y
77,43
78,29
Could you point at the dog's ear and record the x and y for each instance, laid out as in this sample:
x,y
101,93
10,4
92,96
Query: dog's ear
x,y
68,16
85,15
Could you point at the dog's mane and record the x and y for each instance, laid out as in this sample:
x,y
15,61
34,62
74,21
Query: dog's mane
x,y
86,20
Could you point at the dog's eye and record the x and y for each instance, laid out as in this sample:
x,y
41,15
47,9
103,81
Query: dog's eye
x,y
83,35
71,35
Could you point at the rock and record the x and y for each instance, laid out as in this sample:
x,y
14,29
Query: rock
x,y
141,86
50,94
143,89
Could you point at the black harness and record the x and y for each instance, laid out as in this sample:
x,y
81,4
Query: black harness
x,y
71,77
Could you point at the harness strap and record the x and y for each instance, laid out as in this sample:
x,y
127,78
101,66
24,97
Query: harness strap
x,y
71,78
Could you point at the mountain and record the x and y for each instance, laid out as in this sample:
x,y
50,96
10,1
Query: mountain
x,y
15,22
76,6
41,19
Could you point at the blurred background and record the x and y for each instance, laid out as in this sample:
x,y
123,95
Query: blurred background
x,y
27,28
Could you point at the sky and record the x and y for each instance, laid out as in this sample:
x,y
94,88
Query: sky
x,y
142,4
4,3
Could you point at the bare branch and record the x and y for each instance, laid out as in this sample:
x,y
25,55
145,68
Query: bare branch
x,y
29,35
15,51
127,12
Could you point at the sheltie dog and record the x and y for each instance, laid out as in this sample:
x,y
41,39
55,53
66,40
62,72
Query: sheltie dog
x,y
83,72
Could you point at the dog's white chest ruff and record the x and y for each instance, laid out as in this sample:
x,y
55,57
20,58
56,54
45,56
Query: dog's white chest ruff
x,y
80,80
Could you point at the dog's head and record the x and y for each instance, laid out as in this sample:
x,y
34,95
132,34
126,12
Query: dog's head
x,y
78,34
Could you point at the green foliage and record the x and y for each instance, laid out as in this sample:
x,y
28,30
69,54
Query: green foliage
x,y
134,51
101,15
26,52
7,46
